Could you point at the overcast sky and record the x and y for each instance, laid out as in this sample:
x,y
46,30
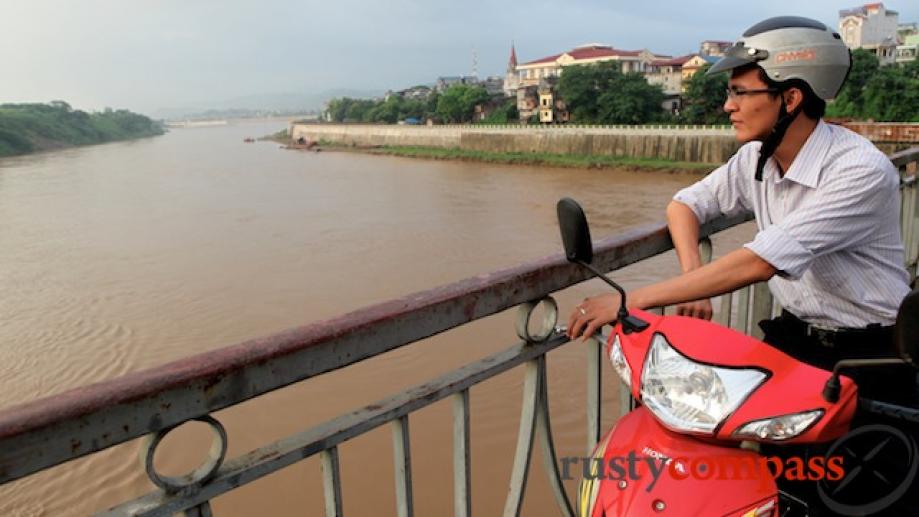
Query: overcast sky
x,y
145,55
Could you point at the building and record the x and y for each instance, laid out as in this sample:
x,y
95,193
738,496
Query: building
x,y
527,102
909,50
420,92
552,109
494,85
871,27
445,82
908,36
694,64
714,47
668,73
529,74
485,109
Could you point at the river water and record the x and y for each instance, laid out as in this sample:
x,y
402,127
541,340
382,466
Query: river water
x,y
119,257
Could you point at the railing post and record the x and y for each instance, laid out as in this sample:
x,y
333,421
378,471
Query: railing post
x,y
202,510
724,312
331,481
462,487
762,308
524,450
594,392
544,426
403,467
743,309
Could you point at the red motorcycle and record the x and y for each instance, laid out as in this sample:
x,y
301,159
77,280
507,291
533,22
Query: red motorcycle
x,y
709,396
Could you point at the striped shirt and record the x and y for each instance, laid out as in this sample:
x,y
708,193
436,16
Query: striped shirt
x,y
830,226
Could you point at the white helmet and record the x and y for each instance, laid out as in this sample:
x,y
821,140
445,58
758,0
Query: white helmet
x,y
791,47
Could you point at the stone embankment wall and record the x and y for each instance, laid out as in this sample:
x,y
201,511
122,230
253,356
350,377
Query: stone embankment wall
x,y
886,132
681,143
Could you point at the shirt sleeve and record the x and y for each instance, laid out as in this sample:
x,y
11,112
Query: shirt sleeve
x,y
724,191
846,214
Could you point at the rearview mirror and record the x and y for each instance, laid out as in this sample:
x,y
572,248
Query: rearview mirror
x,y
575,233
906,333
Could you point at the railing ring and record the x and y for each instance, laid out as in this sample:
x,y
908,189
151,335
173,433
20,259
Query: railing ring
x,y
525,312
197,477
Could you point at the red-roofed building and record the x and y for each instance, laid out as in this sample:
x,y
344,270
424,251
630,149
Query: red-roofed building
x,y
531,72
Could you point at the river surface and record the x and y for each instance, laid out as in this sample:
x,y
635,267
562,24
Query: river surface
x,y
119,257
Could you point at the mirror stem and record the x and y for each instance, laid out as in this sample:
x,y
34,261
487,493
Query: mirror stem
x,y
832,387
629,323
623,312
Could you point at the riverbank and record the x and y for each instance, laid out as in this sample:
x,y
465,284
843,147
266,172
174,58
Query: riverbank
x,y
29,128
529,144
577,161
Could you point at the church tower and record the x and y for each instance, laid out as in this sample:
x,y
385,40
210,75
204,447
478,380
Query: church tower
x,y
512,79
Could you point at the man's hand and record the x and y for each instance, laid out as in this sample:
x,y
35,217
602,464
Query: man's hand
x,y
701,309
592,314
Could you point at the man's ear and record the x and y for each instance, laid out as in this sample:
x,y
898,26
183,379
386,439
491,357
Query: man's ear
x,y
793,99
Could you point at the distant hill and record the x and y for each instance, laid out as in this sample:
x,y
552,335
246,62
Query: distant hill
x,y
265,104
26,128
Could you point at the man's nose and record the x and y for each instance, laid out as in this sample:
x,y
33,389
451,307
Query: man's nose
x,y
730,105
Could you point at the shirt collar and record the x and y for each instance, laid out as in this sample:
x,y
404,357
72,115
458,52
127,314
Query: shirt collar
x,y
806,167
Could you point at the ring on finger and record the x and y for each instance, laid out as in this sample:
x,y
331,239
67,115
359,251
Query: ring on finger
x,y
582,311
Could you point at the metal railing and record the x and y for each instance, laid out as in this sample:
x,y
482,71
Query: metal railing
x,y
149,404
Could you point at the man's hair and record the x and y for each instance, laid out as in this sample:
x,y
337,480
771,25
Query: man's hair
x,y
812,105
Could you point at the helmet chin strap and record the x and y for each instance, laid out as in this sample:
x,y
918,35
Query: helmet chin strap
x,y
771,142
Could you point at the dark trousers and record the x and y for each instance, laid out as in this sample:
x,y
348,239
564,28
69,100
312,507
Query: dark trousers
x,y
891,383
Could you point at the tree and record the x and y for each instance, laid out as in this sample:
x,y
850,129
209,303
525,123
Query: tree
x,y
703,102
504,114
430,106
359,110
580,85
450,104
457,103
850,102
632,101
600,93
338,109
891,95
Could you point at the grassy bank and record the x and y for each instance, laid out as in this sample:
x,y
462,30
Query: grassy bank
x,y
544,159
26,128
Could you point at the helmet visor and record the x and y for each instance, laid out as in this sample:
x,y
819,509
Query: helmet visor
x,y
737,56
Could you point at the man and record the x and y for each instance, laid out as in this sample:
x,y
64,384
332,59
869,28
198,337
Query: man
x,y
826,203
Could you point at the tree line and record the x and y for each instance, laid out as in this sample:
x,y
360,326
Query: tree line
x,y
25,128
455,105
878,93
601,93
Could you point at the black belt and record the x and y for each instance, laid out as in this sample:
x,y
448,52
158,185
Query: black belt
x,y
839,337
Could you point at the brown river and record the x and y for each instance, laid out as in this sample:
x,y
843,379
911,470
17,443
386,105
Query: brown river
x,y
119,257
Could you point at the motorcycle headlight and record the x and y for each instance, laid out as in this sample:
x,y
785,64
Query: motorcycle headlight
x,y
779,428
620,364
689,396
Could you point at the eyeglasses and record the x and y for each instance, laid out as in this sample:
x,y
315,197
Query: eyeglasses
x,y
735,94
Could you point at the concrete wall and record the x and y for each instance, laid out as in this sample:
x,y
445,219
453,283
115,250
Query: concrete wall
x,y
693,144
